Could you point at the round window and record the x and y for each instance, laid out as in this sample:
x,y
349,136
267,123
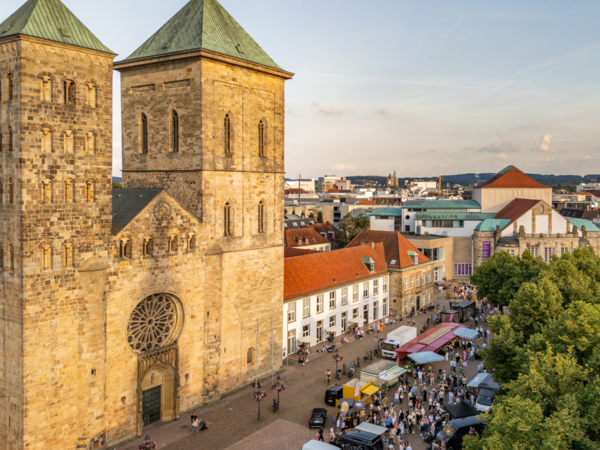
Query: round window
x,y
407,217
154,323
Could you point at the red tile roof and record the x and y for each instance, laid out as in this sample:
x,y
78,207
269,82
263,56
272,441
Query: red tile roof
x,y
396,247
516,209
333,191
511,177
365,202
326,228
297,237
290,252
306,275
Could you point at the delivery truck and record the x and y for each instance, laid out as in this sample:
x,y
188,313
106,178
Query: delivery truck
x,y
396,339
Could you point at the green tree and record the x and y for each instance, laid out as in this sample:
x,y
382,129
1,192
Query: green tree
x,y
311,215
349,228
116,185
320,217
302,214
500,276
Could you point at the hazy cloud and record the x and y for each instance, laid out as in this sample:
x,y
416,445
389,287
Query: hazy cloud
x,y
344,168
499,134
327,109
501,156
500,147
381,112
543,142
587,157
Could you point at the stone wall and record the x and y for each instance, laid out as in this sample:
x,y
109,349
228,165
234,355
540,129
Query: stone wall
x,y
403,300
56,355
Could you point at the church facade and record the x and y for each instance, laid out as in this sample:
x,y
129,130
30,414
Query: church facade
x,y
123,307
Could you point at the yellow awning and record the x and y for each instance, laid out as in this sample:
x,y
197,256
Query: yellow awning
x,y
369,390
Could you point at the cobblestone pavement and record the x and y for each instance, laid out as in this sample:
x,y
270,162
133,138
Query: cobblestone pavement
x,y
234,419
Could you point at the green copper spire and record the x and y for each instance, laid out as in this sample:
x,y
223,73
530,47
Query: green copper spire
x,y
204,24
51,20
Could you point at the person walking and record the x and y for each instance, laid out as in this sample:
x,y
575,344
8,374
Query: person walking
x,y
195,424
320,435
331,434
328,376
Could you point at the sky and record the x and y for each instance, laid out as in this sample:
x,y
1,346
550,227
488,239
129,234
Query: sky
x,y
421,87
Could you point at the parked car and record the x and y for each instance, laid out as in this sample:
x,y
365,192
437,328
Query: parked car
x,y
359,440
318,418
455,430
334,393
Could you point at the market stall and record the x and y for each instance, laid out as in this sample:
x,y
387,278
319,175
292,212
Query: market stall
x,y
365,391
381,372
431,341
448,316
465,310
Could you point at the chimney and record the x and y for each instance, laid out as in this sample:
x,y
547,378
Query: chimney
x,y
371,243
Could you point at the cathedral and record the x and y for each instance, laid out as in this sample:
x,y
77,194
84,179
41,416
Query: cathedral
x,y
128,306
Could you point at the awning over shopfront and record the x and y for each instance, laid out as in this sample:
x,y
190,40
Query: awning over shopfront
x,y
430,341
369,390
466,333
425,357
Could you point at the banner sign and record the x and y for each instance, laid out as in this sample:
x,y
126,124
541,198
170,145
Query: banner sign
x,y
487,249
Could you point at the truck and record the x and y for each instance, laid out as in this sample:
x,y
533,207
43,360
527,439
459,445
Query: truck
x,y
397,339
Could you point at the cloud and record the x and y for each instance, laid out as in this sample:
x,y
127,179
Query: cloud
x,y
543,142
327,109
500,147
344,168
547,160
587,157
501,156
381,112
499,134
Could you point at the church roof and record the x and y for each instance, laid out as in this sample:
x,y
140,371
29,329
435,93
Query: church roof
x,y
203,24
51,20
127,203
511,177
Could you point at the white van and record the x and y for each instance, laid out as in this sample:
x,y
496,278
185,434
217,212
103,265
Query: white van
x,y
396,339
318,445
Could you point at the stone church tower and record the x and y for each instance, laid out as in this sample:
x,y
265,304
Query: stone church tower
x,y
56,130
123,307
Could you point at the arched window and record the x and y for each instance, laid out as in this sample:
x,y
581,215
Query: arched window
x,y
148,246
69,92
90,187
11,258
69,255
250,355
46,89
261,138
46,140
46,191
174,244
191,242
143,133
261,217
227,134
227,220
69,191
10,139
69,138
46,257
91,95
90,142
9,86
125,248
11,191
174,132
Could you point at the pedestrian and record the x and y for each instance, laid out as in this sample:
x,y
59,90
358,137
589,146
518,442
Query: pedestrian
x,y
328,376
195,424
396,398
320,435
331,434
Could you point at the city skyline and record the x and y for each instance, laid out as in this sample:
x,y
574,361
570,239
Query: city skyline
x,y
418,88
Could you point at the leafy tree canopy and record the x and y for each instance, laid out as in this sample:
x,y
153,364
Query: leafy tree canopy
x,y
546,352
349,228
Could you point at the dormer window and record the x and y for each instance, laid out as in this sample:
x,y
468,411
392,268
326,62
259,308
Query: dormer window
x,y
369,263
414,256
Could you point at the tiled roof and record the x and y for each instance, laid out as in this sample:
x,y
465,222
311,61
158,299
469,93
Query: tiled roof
x,y
441,204
53,21
204,24
127,203
326,228
516,209
511,177
333,191
290,252
396,248
490,224
579,223
389,211
297,237
309,274
469,216
576,213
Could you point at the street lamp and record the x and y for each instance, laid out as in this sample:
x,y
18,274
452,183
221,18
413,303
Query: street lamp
x,y
279,386
259,396
336,359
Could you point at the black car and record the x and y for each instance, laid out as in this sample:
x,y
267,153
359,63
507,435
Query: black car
x,y
334,393
456,429
318,418
359,439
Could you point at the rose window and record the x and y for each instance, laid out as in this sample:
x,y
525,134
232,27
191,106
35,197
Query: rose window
x,y
154,323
